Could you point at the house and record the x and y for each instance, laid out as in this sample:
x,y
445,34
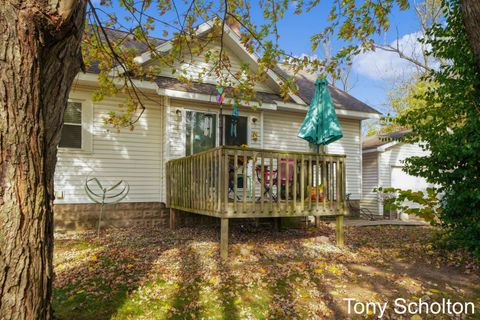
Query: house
x,y
182,120
382,166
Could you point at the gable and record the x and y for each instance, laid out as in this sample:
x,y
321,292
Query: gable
x,y
197,64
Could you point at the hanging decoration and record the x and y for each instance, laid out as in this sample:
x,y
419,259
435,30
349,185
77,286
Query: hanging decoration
x,y
220,95
234,122
220,100
207,126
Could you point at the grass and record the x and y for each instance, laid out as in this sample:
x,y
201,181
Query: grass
x,y
295,274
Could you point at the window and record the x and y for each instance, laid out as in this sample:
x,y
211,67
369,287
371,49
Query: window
x,y
235,137
201,131
72,126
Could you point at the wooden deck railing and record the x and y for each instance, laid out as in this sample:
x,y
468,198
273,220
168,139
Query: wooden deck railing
x,y
232,182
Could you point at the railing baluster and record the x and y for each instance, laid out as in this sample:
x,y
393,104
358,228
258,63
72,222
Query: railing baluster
x,y
204,181
245,182
302,184
235,181
295,184
324,183
317,184
331,185
210,175
270,183
262,179
310,183
287,182
279,183
219,181
254,160
225,180
344,183
338,186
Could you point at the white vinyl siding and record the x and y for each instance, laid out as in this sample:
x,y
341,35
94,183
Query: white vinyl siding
x,y
370,181
280,131
134,156
196,64
388,161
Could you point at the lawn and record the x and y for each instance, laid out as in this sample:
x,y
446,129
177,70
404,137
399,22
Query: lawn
x,y
163,274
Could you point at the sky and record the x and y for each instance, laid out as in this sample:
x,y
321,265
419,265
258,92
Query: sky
x,y
373,73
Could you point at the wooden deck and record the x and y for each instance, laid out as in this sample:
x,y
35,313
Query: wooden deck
x,y
233,182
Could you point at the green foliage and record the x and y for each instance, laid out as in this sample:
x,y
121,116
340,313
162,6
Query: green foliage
x,y
427,203
449,127
402,99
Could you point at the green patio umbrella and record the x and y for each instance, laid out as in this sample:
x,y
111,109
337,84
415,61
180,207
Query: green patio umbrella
x,y
321,125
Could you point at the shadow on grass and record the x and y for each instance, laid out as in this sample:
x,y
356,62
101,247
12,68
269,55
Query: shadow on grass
x,y
100,276
186,301
94,279
228,292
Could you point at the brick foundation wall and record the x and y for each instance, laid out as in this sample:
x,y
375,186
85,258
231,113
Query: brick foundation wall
x,y
77,217
68,217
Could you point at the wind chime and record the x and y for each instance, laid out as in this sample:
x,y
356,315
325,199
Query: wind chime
x,y
234,119
220,100
234,122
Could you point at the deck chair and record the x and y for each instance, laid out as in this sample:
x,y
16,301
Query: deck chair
x,y
267,175
363,213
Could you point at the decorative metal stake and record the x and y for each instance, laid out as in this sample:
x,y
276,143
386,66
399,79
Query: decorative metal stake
x,y
103,198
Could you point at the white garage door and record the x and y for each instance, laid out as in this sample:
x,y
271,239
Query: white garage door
x,y
403,180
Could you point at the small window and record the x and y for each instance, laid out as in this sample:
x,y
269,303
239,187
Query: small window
x,y
235,134
72,127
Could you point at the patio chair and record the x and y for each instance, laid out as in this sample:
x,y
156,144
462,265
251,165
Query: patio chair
x,y
363,213
267,175
231,182
283,175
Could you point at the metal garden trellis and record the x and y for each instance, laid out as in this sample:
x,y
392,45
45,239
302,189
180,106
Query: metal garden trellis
x,y
102,198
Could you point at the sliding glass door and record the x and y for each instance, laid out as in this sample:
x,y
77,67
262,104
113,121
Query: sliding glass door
x,y
201,131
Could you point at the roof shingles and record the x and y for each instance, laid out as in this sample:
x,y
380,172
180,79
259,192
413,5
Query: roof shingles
x,y
305,83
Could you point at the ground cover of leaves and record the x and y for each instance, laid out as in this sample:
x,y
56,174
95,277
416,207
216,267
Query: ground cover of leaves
x,y
293,274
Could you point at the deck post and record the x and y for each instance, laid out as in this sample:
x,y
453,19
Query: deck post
x,y
277,224
223,238
173,219
317,222
340,234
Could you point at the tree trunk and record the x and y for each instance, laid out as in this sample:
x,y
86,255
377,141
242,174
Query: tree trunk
x,y
471,18
40,55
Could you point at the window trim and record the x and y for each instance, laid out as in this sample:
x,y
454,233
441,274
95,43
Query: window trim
x,y
86,124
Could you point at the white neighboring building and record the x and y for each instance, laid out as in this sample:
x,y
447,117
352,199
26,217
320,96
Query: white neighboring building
x,y
382,166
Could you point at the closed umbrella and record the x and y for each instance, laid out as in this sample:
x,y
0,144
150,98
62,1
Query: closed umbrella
x,y
321,125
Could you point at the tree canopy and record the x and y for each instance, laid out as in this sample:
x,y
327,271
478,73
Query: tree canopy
x,y
352,23
447,124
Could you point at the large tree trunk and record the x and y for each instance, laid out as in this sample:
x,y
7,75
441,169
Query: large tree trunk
x,y
40,55
471,18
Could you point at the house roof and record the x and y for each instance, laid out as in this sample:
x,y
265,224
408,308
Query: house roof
x,y
341,99
304,80
379,140
207,88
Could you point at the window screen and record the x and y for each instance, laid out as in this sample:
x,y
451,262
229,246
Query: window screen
x,y
72,126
